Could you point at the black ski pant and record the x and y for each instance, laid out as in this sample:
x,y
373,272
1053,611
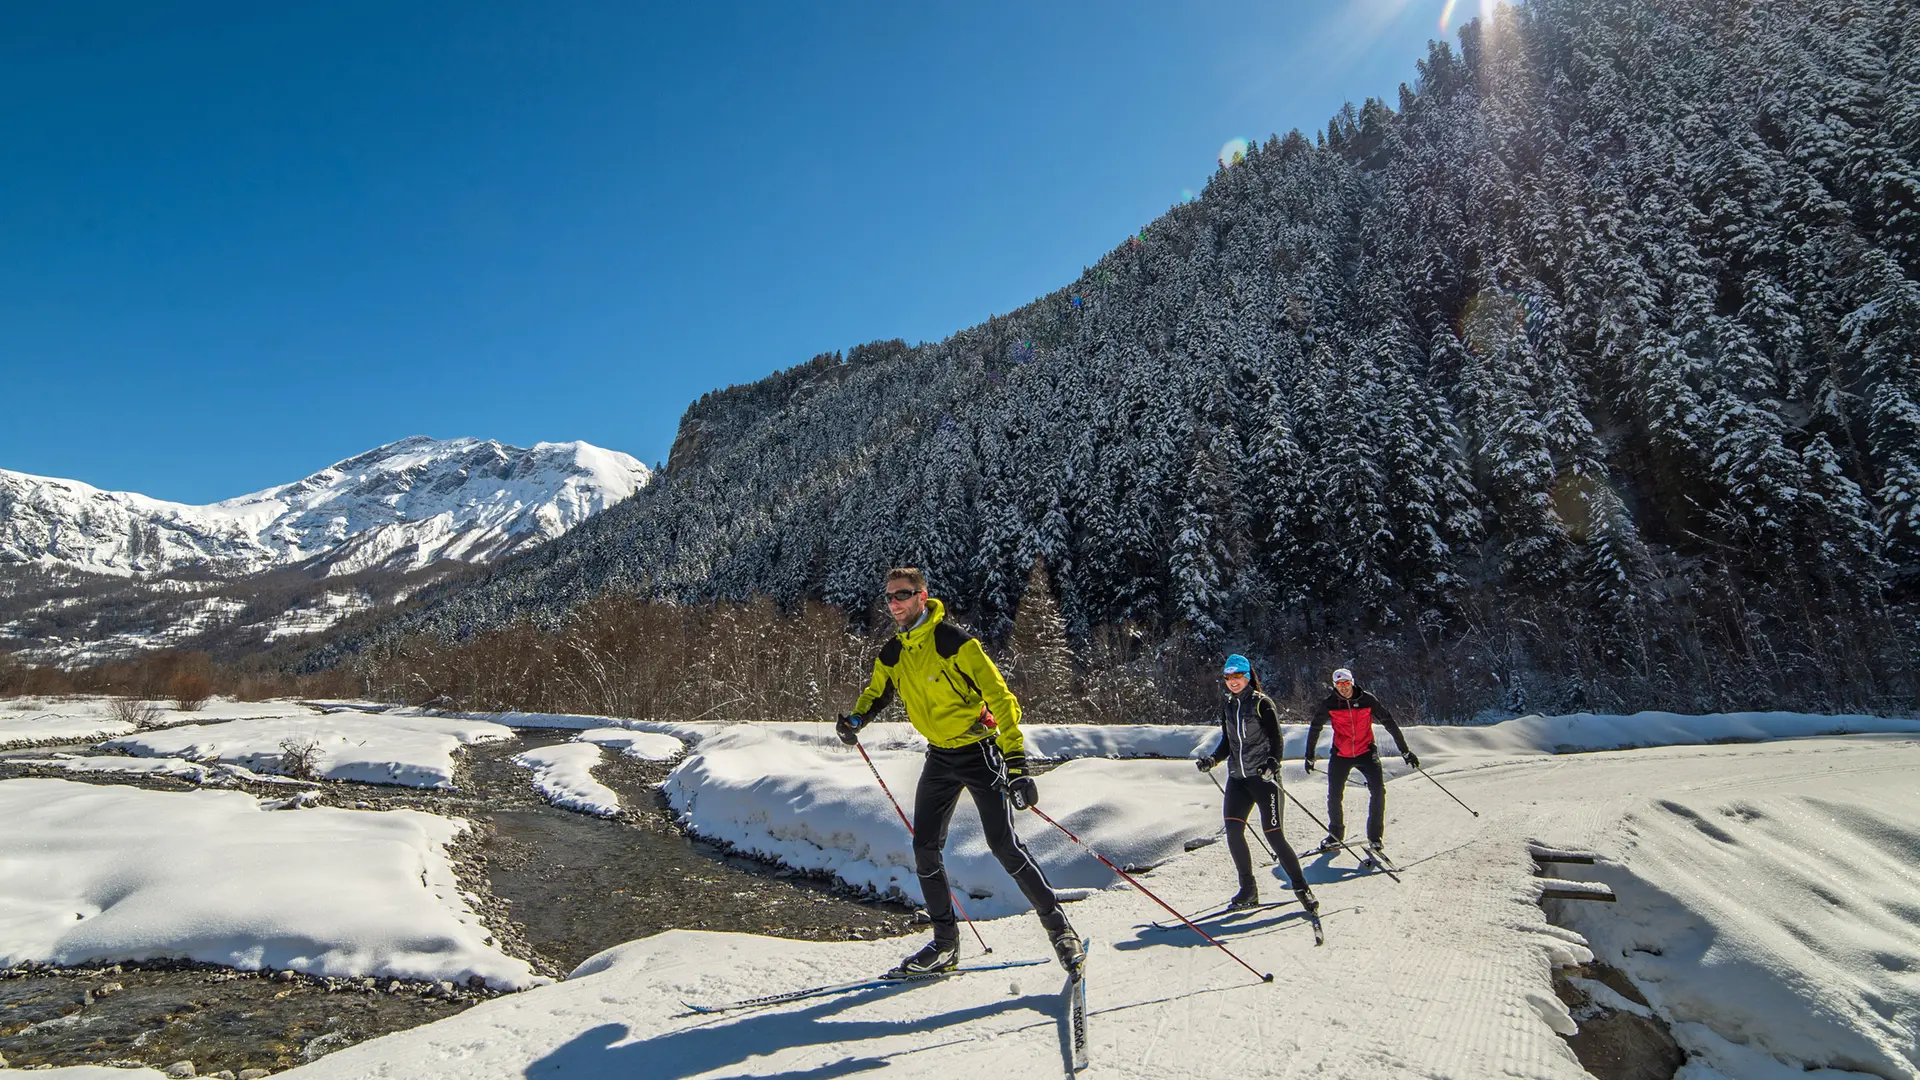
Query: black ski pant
x,y
1368,765
982,772
1243,793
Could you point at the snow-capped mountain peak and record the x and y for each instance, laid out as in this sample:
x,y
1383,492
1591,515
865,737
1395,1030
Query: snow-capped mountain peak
x,y
400,506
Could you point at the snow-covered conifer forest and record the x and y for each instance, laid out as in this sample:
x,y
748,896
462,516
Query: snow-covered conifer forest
x,y
1580,375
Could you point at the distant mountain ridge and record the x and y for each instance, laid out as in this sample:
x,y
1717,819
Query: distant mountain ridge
x,y
89,575
401,506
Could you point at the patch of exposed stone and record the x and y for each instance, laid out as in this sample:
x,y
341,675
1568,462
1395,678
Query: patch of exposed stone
x,y
1620,1036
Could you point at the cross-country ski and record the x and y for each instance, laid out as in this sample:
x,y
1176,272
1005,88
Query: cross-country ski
x,y
1076,1001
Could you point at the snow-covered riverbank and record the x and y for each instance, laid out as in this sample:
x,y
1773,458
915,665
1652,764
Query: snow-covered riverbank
x,y
1765,907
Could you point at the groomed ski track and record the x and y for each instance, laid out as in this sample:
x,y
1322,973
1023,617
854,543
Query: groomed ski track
x,y
1444,974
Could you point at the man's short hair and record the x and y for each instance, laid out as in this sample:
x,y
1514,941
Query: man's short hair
x,y
909,574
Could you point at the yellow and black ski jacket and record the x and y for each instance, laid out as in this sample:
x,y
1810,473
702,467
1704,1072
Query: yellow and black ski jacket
x,y
952,692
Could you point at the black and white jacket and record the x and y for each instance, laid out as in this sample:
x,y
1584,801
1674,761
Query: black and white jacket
x,y
1249,732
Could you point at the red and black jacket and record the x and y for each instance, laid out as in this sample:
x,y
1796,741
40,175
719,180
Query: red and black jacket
x,y
1352,719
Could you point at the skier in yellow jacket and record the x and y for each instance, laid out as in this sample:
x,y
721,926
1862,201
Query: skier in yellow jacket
x,y
956,698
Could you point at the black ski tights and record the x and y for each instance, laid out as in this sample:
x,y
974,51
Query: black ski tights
x,y
980,771
1368,765
1242,793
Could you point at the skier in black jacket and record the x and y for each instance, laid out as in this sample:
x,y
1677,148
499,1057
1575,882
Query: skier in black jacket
x,y
1250,746
1353,712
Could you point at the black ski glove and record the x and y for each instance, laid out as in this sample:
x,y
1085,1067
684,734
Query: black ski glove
x,y
848,728
1205,763
1306,763
1269,768
1024,792
1412,759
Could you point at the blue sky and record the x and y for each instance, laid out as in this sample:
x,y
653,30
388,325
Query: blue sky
x,y
239,242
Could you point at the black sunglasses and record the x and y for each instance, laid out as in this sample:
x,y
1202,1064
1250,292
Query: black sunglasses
x,y
902,595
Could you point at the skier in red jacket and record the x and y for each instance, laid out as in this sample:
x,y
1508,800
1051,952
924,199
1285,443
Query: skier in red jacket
x,y
1353,712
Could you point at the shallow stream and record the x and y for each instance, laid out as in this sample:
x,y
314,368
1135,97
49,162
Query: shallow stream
x,y
556,887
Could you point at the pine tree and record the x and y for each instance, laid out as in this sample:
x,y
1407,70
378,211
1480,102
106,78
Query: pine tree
x,y
1201,562
1040,662
1885,331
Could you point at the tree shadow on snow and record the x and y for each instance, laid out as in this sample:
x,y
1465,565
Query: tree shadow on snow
x,y
596,1054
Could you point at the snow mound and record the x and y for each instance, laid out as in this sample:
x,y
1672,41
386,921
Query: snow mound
x,y
801,798
1056,742
85,719
400,747
100,1073
104,873
1584,732
185,770
1774,926
564,774
645,745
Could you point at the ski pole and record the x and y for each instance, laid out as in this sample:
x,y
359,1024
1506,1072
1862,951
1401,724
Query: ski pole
x,y
1310,817
903,820
1257,837
1450,794
1128,878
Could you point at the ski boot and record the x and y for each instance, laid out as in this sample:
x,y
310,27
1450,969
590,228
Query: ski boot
x,y
1377,846
935,957
1248,896
1331,843
1071,951
1308,903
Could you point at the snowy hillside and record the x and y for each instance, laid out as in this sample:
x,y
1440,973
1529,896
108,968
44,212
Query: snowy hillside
x,y
1595,341
400,506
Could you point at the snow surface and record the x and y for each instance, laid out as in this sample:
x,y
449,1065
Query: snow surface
x,y
215,773
403,747
185,770
564,774
1766,906
1443,975
108,873
100,1073
85,719
1795,898
51,726
410,502
332,608
645,745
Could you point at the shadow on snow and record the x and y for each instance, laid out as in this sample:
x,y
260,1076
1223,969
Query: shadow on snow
x,y
599,1053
